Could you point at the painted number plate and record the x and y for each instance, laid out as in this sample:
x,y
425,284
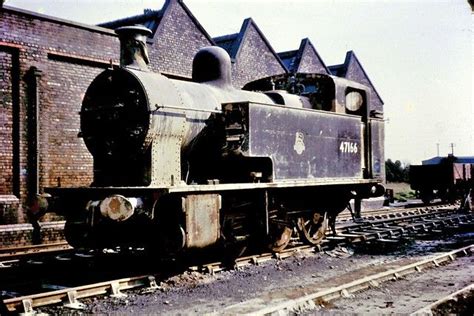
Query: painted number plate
x,y
348,148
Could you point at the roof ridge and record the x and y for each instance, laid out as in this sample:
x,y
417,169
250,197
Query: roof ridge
x,y
144,15
288,52
225,37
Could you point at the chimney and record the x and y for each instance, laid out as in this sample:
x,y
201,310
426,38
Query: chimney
x,y
133,51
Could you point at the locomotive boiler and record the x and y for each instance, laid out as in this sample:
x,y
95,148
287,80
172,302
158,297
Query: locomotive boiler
x,y
191,164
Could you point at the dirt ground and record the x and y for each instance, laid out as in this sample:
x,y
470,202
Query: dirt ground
x,y
195,293
411,294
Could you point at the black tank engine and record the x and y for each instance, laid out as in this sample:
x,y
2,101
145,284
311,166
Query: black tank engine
x,y
190,164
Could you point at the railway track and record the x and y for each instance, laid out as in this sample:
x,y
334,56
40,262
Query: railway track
x,y
16,253
387,231
393,212
434,221
307,298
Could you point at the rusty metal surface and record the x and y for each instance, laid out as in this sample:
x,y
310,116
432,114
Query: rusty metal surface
x,y
202,219
116,207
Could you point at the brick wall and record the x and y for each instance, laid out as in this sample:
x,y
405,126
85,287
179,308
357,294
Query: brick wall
x,y
10,210
22,234
255,60
69,56
6,123
176,41
310,62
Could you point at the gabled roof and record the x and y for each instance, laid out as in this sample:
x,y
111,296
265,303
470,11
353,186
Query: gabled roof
x,y
341,70
292,59
193,18
152,18
232,43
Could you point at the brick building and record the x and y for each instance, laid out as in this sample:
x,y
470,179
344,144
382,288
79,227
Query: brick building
x,y
352,69
47,63
304,60
176,37
252,55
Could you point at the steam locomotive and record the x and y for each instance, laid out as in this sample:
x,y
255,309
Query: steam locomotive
x,y
188,165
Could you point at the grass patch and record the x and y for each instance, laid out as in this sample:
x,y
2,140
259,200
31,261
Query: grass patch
x,y
401,191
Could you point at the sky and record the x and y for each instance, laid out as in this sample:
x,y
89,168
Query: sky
x,y
419,54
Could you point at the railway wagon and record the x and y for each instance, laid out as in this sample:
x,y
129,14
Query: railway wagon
x,y
446,178
192,164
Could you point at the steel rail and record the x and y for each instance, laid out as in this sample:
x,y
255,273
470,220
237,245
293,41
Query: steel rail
x,y
352,234
10,253
399,219
276,303
71,295
392,212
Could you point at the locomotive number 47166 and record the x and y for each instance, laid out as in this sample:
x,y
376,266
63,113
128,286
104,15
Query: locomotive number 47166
x,y
348,147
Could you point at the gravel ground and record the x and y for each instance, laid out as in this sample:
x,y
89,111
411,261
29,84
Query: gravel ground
x,y
195,293
411,294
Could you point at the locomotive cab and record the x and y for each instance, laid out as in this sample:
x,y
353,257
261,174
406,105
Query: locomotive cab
x,y
315,91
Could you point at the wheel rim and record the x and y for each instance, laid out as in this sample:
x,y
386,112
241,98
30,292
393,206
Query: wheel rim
x,y
313,228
